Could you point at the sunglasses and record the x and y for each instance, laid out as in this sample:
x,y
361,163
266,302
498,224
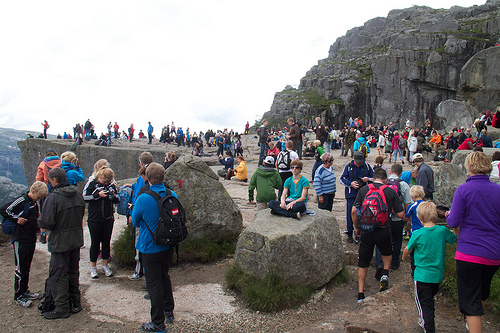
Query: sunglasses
x,y
294,167
328,161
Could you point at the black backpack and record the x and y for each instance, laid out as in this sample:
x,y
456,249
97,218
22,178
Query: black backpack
x,y
171,229
283,160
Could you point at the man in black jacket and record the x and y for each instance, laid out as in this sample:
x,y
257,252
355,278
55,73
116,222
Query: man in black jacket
x,y
24,211
62,215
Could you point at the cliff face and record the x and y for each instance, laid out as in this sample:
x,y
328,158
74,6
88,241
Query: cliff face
x,y
397,67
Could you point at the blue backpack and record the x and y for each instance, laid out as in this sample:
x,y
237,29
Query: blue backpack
x,y
8,226
125,196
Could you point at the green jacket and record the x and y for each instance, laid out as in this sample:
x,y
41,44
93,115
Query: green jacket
x,y
265,180
62,215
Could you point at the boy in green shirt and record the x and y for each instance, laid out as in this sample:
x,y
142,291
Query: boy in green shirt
x,y
429,245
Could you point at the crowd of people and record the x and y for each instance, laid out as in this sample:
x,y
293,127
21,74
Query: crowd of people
x,y
380,202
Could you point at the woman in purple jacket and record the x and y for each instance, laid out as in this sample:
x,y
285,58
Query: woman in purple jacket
x,y
475,210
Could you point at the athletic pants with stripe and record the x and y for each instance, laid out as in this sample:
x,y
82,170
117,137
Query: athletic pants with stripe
x,y
23,255
424,300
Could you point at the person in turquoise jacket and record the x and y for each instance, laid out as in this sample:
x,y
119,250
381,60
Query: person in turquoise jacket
x,y
155,258
70,164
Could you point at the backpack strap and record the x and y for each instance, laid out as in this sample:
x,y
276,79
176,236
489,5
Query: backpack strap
x,y
157,197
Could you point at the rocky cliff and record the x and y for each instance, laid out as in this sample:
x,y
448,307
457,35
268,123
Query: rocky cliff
x,y
401,66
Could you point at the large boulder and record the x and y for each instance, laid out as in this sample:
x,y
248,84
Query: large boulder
x,y
455,113
210,211
307,252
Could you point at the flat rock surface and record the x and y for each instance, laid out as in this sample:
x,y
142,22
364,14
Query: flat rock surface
x,y
203,304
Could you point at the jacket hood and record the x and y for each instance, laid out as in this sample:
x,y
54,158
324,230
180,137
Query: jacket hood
x,y
362,140
265,172
52,160
65,189
66,166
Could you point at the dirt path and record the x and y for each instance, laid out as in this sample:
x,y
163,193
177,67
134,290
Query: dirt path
x,y
116,304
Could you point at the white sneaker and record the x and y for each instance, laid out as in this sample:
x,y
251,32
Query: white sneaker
x,y
107,271
93,273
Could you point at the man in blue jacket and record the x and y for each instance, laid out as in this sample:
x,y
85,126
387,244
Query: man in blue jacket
x,y
155,258
356,174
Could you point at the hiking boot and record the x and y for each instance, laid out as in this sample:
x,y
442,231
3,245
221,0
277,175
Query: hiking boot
x,y
350,239
152,327
107,271
169,316
75,308
384,283
31,296
378,273
55,315
23,301
147,296
135,277
43,239
93,272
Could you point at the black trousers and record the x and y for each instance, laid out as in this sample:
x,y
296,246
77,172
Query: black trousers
x,y
23,256
64,275
156,266
100,233
424,300
327,201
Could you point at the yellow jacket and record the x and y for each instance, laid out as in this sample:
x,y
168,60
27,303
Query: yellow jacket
x,y
241,171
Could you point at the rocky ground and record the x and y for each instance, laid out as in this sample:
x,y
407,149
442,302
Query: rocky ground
x,y
203,304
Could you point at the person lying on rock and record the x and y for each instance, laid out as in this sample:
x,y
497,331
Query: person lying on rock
x,y
294,198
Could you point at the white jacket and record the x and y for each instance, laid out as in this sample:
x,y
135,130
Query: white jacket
x,y
412,144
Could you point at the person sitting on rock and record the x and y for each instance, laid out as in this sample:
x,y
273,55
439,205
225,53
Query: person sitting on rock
x,y
241,171
228,163
294,198
265,179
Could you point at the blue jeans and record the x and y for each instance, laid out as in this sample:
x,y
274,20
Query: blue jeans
x,y
397,241
349,202
327,147
298,207
396,153
262,153
316,165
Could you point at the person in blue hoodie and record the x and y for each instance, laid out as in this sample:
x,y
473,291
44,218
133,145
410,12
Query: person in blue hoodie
x,y
356,174
70,164
228,163
360,140
155,258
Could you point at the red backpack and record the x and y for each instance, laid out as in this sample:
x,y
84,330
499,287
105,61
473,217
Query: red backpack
x,y
374,209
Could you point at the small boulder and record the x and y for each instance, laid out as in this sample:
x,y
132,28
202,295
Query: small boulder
x,y
307,251
210,211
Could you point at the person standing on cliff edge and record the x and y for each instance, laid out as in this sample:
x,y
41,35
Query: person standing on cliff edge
x,y
46,126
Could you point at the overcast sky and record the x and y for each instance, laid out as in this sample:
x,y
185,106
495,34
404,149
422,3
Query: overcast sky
x,y
200,63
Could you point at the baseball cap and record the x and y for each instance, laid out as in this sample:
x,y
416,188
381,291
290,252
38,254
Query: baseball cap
x,y
50,150
418,155
269,160
358,157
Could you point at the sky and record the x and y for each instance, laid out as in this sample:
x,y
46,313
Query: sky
x,y
200,63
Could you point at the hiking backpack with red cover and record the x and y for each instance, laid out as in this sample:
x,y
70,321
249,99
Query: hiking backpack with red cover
x,y
374,211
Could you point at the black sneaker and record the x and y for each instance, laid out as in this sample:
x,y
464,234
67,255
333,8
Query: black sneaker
x,y
23,301
147,296
75,308
356,240
152,327
55,315
169,316
31,296
378,273
350,239
43,239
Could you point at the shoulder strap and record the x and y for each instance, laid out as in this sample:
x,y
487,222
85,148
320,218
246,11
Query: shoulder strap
x,y
155,196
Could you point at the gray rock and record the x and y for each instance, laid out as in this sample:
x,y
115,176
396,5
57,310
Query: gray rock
x,y
307,252
455,113
210,211
9,190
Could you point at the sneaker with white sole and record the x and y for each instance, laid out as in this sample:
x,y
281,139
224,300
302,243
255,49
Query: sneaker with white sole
x,y
107,271
93,272
23,301
135,277
384,283
31,296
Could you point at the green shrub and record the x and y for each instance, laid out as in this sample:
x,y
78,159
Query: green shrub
x,y
124,247
341,277
203,250
269,294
